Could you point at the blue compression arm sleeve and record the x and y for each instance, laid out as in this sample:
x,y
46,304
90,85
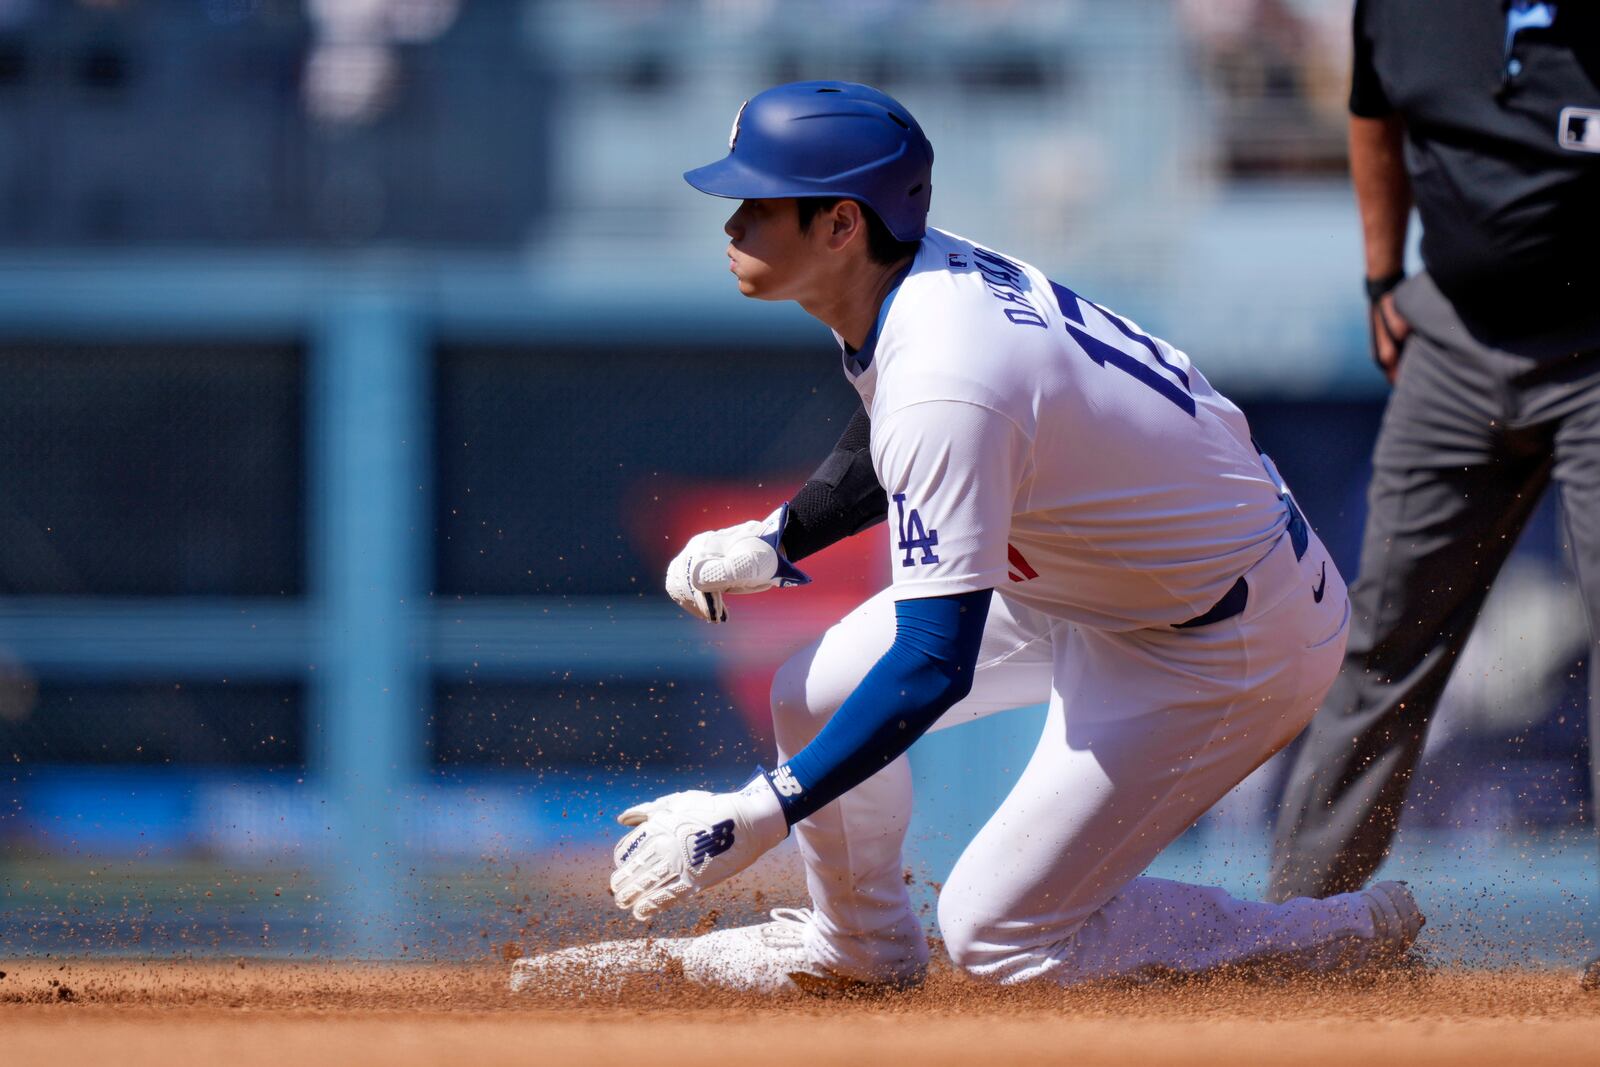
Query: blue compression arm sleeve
x,y
926,671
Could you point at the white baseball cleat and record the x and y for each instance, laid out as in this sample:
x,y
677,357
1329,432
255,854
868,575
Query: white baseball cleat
x,y
1396,917
768,958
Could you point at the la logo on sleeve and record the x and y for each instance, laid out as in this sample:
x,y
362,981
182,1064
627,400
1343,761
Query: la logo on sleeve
x,y
914,535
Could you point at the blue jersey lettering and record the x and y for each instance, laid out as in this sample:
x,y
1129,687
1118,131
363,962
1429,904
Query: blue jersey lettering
x,y
1004,280
1106,354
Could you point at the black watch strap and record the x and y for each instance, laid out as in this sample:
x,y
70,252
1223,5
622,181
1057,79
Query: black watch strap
x,y
1378,288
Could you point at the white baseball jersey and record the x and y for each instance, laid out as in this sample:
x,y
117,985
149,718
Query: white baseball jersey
x,y
1036,443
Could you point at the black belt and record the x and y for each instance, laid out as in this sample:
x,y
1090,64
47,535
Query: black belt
x,y
1234,600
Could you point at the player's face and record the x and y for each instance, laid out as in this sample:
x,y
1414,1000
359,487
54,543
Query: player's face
x,y
768,253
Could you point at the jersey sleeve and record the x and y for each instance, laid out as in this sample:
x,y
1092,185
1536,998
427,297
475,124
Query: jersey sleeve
x,y
951,470
1367,98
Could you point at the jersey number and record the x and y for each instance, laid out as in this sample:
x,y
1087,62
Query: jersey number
x,y
914,535
1172,384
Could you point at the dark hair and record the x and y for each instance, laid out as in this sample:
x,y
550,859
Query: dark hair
x,y
882,246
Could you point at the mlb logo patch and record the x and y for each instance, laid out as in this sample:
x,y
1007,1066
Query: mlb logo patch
x,y
1579,129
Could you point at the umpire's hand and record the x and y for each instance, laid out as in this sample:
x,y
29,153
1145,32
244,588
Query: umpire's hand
x,y
1389,332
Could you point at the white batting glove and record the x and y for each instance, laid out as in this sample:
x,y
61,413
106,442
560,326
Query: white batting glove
x,y
739,559
686,842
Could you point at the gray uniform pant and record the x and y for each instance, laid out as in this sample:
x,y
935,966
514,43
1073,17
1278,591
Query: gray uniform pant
x,y
1470,439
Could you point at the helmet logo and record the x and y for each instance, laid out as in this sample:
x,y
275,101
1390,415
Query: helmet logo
x,y
733,134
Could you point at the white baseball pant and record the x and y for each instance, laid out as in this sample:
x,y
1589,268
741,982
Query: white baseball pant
x,y
1146,730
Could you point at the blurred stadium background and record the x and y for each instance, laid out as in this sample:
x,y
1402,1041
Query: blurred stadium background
x,y
362,361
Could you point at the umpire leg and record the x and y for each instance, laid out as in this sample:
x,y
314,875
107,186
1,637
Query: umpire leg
x,y
1577,472
1450,492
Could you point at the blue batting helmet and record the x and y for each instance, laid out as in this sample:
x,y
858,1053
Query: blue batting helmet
x,y
828,139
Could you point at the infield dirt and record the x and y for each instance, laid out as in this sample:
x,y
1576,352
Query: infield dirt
x,y
309,1015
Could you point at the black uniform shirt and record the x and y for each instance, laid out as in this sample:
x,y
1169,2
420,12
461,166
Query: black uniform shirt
x,y
1503,150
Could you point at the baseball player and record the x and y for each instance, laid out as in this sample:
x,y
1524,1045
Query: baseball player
x,y
1074,516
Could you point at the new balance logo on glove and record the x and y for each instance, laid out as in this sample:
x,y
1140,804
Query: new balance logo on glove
x,y
711,843
785,783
